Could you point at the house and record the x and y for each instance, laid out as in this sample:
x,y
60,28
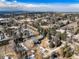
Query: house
x,y
7,57
54,55
20,47
60,30
3,39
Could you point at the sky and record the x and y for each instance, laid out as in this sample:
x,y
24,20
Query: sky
x,y
40,5
46,1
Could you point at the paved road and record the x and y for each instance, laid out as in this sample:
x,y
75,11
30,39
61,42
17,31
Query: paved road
x,y
69,25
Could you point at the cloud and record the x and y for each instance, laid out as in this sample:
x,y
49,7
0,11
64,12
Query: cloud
x,y
53,7
39,7
3,0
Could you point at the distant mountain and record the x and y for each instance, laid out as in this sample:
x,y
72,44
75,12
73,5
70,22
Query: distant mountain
x,y
9,12
23,11
18,12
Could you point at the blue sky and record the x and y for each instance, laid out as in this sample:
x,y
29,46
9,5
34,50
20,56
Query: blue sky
x,y
47,1
40,5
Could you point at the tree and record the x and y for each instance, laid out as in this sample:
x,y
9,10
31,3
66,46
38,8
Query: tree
x,y
49,34
54,42
77,31
67,51
62,36
51,45
51,31
44,32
